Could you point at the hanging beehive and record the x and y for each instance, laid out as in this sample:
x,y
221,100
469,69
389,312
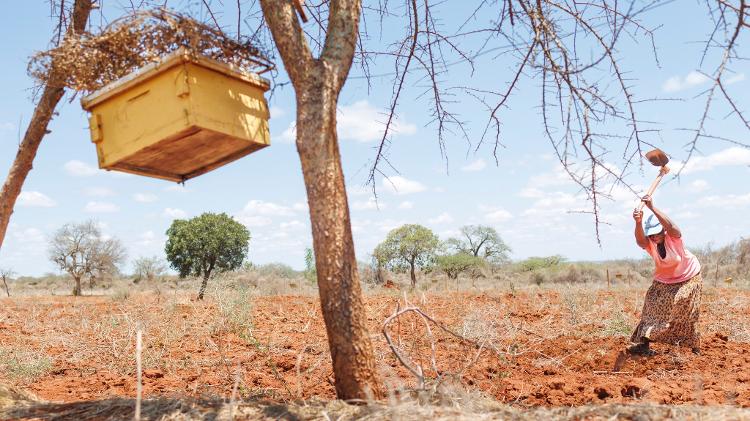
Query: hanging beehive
x,y
178,118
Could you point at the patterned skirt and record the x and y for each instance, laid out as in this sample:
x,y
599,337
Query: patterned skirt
x,y
670,314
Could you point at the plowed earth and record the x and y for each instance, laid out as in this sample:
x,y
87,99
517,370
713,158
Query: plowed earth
x,y
545,348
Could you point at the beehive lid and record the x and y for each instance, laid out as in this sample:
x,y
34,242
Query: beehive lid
x,y
176,58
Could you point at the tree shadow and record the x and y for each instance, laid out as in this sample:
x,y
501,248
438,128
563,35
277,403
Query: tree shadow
x,y
115,409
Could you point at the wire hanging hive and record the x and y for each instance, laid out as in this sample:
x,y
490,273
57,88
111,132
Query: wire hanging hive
x,y
178,99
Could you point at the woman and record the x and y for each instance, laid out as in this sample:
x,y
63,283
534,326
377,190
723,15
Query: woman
x,y
672,305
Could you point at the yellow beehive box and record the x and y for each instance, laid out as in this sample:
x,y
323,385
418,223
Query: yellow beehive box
x,y
178,118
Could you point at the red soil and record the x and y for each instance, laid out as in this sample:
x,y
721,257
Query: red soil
x,y
552,351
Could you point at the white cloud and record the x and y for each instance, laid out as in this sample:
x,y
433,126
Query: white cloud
x,y
686,215
389,224
146,239
730,201
35,199
406,205
401,185
477,165
98,192
260,207
369,204
556,203
291,225
699,186
100,207
531,193
289,135
145,197
259,213
358,190
79,169
443,218
28,235
497,215
739,77
7,127
360,122
300,207
557,177
254,221
277,111
734,156
174,213
449,233
678,83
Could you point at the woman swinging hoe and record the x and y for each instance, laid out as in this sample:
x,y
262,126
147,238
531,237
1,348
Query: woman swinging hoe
x,y
672,305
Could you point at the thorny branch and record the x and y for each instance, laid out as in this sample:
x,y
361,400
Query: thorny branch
x,y
416,369
571,47
730,18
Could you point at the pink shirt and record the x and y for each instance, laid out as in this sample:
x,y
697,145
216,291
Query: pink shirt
x,y
678,266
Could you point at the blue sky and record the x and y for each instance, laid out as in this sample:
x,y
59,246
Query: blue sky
x,y
526,197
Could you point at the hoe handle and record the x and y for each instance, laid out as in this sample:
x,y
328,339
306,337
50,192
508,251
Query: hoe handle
x,y
651,189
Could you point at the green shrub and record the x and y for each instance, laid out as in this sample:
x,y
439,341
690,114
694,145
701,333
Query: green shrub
x,y
278,270
536,263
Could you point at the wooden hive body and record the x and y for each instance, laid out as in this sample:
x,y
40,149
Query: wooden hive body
x,y
178,118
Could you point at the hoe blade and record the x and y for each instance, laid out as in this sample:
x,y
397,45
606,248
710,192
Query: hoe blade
x,y
657,158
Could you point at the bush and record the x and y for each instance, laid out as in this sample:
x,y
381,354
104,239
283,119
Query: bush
x,y
277,270
536,263
455,264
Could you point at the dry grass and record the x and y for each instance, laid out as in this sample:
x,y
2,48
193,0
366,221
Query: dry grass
x,y
170,320
439,406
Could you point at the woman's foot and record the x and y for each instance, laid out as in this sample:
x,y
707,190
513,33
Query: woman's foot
x,y
641,349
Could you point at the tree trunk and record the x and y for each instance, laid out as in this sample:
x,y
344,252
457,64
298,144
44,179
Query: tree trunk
x,y
317,83
203,286
7,291
413,275
77,287
37,129
338,279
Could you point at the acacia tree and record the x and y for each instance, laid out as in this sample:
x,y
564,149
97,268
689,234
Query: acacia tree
x,y
481,241
81,251
206,244
317,82
409,246
568,45
52,92
455,264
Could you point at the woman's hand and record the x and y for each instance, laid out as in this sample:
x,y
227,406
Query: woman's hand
x,y
638,215
648,201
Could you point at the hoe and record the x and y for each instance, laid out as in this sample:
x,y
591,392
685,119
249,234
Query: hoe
x,y
657,158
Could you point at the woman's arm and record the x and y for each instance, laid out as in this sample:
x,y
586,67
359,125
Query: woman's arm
x,y
640,236
667,223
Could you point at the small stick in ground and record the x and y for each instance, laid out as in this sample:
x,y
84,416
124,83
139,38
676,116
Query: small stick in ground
x,y
138,386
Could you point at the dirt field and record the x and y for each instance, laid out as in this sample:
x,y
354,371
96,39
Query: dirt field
x,y
539,347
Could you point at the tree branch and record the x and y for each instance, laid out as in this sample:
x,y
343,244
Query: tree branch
x,y
289,38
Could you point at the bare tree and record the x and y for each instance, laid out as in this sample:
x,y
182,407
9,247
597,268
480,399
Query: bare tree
x,y
481,241
37,128
6,274
149,268
80,250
